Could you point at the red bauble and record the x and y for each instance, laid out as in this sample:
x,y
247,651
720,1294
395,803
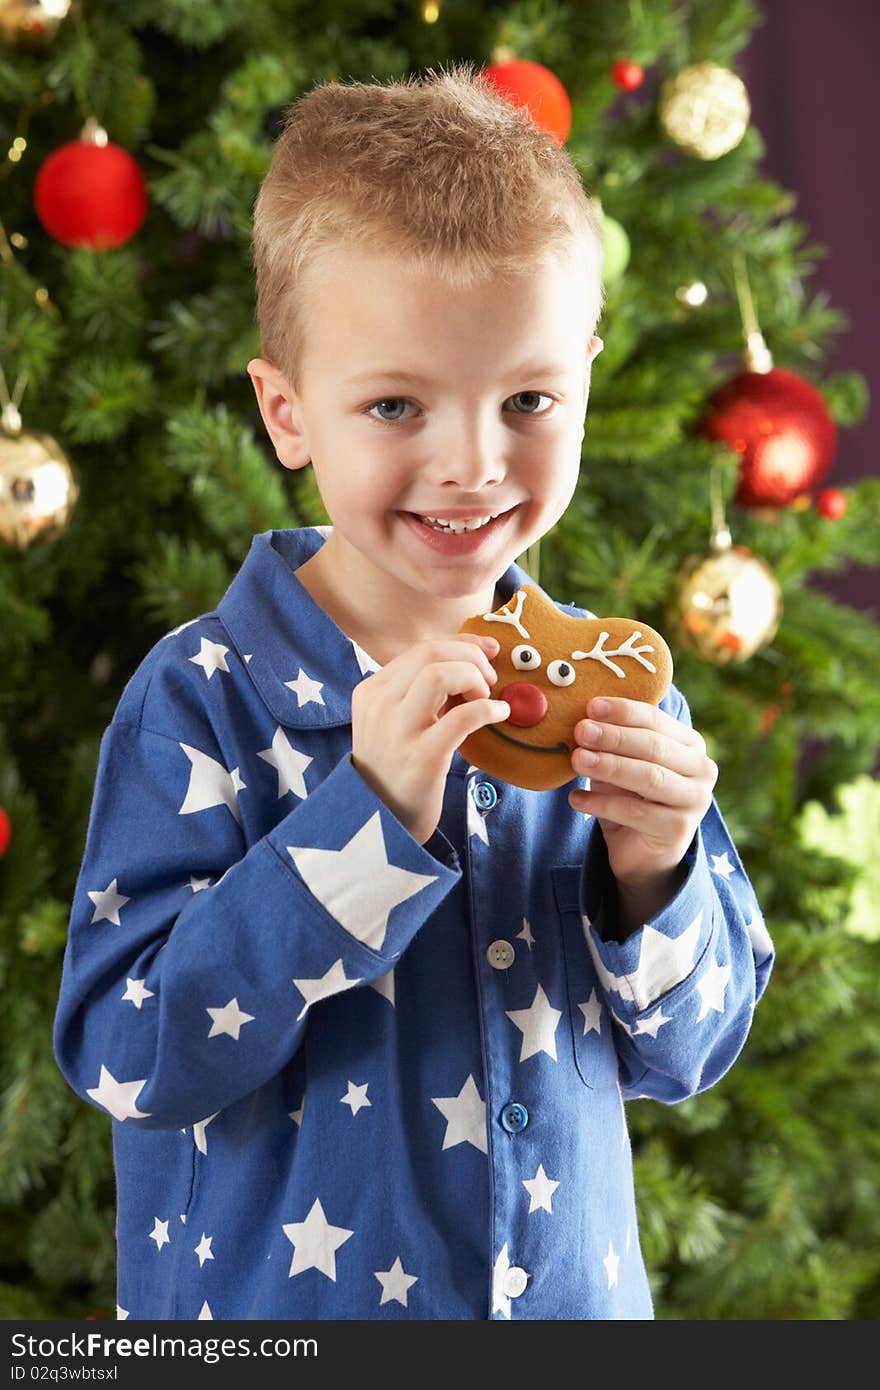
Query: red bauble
x,y
535,87
628,76
91,195
5,832
831,503
780,426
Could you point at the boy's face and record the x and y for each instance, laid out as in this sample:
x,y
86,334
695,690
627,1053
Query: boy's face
x,y
490,420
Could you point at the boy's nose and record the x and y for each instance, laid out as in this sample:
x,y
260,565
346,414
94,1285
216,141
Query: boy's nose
x,y
528,704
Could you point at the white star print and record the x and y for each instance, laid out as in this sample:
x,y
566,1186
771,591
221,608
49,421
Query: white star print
x,y
592,1012
174,631
356,884
210,784
611,1261
395,1283
465,1117
315,1242
290,764
198,884
306,690
199,1128
385,985
653,1024
712,985
212,657
356,1097
121,1313
297,1115
203,1249
205,1314
664,961
722,865
364,661
229,1020
762,946
500,1300
136,992
107,905
159,1233
331,983
526,934
540,1189
118,1096
538,1025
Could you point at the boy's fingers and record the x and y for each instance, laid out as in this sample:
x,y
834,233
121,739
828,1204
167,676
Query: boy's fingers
x,y
616,709
463,720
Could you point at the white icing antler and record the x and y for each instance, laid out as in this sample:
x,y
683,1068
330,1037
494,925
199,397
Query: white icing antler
x,y
505,616
599,654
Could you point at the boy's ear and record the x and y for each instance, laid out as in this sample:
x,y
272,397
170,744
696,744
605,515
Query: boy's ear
x,y
278,408
596,346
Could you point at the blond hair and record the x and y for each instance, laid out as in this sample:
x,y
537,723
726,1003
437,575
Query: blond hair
x,y
442,170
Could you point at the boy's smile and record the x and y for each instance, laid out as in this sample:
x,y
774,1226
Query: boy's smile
x,y
444,425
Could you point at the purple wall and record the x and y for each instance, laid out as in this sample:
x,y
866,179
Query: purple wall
x,y
811,72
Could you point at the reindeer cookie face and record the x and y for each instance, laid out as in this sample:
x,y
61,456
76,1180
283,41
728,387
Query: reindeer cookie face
x,y
549,666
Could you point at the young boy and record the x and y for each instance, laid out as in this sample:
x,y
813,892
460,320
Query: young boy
x,y
364,1017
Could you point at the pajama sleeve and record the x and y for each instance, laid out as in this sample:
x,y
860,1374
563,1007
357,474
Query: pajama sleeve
x,y
193,958
682,988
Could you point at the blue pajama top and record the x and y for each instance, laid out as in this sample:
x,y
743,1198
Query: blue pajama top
x,y
351,1076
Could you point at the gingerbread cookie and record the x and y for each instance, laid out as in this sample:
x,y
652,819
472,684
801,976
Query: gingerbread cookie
x,y
549,666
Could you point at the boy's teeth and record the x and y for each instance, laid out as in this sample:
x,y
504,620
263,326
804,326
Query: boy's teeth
x,y
465,524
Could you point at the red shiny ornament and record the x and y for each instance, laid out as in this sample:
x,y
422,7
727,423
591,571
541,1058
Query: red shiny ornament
x,y
628,76
832,503
5,832
91,195
539,90
780,426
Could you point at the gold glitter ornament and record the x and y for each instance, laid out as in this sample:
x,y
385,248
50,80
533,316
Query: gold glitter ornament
x,y
38,491
31,21
704,109
727,604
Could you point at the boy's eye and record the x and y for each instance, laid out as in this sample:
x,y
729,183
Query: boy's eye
x,y
398,402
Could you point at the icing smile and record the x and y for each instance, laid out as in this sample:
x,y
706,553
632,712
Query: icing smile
x,y
532,747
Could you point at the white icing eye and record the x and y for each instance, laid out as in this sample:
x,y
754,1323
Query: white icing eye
x,y
525,658
560,673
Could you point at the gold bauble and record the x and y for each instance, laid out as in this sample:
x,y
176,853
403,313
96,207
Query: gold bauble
x,y
727,605
31,21
704,109
38,491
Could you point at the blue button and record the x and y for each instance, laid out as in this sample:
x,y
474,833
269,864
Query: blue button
x,y
514,1117
484,795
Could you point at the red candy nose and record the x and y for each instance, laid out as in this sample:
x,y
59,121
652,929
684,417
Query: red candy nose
x,y
528,704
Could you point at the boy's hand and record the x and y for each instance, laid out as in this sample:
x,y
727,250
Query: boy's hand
x,y
650,786
402,742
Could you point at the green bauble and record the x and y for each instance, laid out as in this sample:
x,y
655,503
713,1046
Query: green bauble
x,y
616,243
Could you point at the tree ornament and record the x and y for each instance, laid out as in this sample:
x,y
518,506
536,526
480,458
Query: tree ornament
x,y
91,192
31,21
774,419
627,75
531,85
38,491
5,831
704,109
728,604
694,295
832,503
617,250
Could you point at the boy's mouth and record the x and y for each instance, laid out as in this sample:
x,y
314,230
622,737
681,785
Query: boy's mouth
x,y
458,535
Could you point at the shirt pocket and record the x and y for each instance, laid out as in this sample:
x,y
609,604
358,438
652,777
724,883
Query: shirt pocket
x,y
590,1027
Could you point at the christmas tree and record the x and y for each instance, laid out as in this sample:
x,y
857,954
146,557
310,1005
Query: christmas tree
x,y
134,471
